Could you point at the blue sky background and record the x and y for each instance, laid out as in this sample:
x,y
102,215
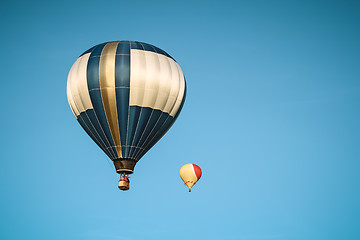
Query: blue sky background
x,y
271,116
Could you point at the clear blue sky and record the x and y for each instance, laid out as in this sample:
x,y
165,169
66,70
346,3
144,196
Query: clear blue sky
x,y
272,117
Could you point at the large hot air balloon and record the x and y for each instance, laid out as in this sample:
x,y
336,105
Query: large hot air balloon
x,y
126,95
190,174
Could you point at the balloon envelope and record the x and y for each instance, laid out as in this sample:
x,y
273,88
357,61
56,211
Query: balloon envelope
x,y
126,95
190,174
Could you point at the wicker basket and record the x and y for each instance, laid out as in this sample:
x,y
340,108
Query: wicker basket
x,y
124,185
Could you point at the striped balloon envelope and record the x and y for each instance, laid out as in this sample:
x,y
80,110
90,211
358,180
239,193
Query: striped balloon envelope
x,y
190,174
126,95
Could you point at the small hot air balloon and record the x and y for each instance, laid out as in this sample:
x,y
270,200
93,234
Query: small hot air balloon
x,y
190,174
126,95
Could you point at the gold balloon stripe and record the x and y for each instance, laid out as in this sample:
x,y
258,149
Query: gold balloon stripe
x,y
107,86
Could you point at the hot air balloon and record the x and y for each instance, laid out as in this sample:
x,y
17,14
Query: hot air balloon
x,y
126,95
190,174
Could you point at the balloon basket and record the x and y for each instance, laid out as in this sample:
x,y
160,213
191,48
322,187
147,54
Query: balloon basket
x,y
124,185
